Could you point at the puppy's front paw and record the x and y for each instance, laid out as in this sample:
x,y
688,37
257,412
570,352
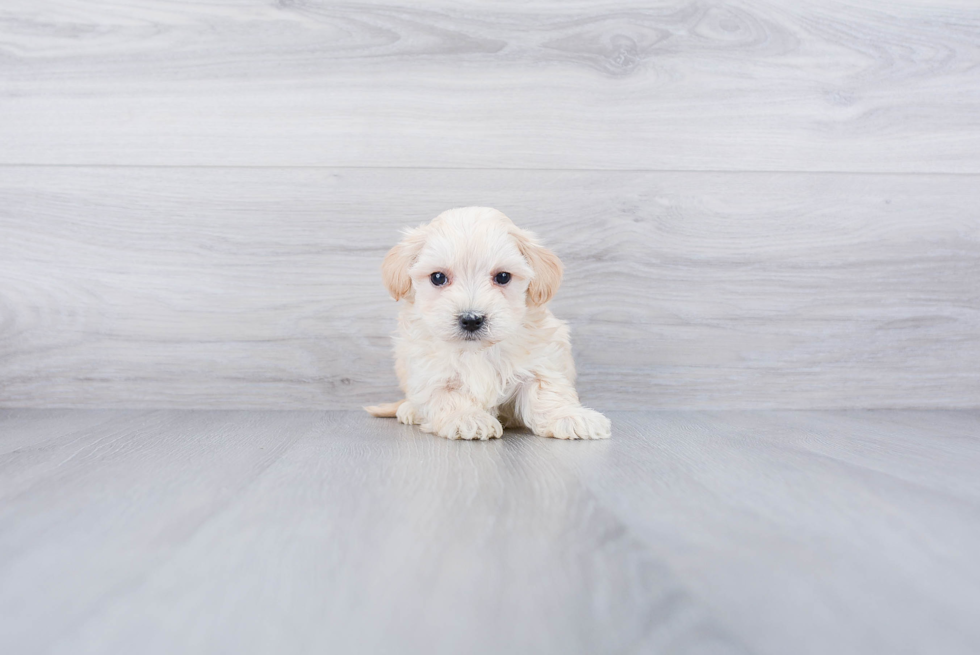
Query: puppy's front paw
x,y
579,423
407,414
475,424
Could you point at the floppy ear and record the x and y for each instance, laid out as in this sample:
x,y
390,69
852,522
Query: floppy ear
x,y
394,268
546,265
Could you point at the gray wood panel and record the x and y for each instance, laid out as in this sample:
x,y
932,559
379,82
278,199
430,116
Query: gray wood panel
x,y
238,287
685,84
687,532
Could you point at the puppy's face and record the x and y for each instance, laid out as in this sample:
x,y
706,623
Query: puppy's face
x,y
472,275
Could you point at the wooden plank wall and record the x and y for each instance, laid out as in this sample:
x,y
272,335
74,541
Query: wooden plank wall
x,y
760,204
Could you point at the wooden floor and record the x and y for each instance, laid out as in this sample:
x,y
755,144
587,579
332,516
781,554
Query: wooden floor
x,y
332,532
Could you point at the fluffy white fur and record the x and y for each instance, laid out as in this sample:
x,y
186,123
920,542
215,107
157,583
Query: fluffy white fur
x,y
518,369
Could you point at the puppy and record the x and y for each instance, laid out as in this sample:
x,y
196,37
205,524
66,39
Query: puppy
x,y
477,348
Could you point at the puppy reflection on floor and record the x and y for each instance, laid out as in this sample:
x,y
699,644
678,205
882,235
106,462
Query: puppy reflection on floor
x,y
477,349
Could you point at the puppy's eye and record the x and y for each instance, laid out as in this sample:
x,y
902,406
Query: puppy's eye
x,y
438,279
501,278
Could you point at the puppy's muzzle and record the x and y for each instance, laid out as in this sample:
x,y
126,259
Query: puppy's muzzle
x,y
471,321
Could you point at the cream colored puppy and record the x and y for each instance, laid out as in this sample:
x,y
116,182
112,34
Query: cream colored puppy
x,y
476,347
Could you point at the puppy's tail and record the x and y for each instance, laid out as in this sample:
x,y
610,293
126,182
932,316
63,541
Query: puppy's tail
x,y
384,410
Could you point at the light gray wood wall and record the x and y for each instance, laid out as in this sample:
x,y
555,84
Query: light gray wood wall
x,y
760,204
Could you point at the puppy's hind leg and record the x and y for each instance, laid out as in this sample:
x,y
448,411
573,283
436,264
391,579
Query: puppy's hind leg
x,y
403,410
385,410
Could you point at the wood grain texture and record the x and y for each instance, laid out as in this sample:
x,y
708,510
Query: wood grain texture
x,y
679,85
259,288
688,532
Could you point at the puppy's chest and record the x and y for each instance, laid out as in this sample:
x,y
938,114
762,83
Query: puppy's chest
x,y
492,381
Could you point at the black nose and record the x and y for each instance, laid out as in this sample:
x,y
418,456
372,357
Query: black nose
x,y
471,322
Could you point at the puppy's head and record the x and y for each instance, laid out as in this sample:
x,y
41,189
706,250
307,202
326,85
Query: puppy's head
x,y
471,274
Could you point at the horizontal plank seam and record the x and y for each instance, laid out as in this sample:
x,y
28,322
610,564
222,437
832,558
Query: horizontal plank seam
x,y
714,171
